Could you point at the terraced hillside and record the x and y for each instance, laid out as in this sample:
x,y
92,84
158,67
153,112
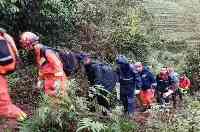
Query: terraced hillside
x,y
176,19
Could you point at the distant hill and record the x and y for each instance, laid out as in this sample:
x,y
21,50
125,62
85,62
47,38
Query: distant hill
x,y
176,19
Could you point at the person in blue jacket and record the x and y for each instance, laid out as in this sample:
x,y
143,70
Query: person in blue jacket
x,y
148,85
99,73
127,79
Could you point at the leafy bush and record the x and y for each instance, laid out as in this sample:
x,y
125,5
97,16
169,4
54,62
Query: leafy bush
x,y
193,66
184,119
109,27
12,79
72,114
122,125
46,17
105,28
87,124
51,117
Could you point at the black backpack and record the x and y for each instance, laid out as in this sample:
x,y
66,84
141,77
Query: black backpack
x,y
68,59
5,54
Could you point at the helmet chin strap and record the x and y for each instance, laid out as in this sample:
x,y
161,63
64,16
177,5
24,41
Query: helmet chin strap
x,y
1,34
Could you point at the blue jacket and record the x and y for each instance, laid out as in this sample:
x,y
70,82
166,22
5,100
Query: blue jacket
x,y
101,74
128,79
138,81
126,76
147,79
175,77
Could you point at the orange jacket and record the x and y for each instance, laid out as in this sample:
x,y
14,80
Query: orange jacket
x,y
14,53
49,66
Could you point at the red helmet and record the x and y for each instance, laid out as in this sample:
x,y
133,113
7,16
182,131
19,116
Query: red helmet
x,y
163,74
163,71
28,39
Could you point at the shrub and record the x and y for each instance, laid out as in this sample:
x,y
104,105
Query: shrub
x,y
184,119
51,117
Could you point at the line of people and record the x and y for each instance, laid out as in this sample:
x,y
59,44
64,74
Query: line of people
x,y
55,67
134,77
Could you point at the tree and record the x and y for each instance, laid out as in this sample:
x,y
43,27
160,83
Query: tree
x,y
48,18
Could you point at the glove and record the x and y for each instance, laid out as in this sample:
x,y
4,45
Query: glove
x,y
166,94
137,91
186,87
39,85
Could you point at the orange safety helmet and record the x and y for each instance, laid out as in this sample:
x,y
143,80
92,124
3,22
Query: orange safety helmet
x,y
28,39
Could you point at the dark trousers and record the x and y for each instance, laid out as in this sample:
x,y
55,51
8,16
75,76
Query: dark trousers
x,y
127,99
161,100
174,96
101,99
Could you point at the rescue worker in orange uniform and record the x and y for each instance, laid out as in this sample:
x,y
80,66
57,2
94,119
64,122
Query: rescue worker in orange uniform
x,y
8,61
184,82
184,85
51,74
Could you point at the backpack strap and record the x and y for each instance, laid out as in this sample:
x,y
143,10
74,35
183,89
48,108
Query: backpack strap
x,y
43,50
4,39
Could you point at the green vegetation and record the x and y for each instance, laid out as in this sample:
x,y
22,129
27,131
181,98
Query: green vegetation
x,y
184,120
106,28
